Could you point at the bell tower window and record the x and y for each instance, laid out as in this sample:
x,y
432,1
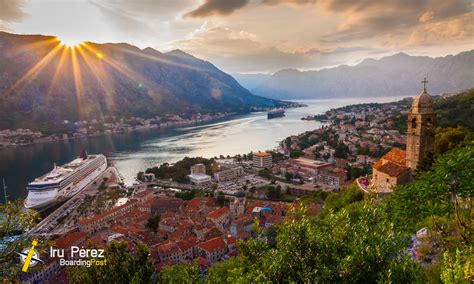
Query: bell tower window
x,y
413,123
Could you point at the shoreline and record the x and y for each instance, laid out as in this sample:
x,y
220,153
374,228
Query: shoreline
x,y
178,125
184,125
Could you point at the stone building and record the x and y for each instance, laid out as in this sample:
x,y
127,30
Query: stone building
x,y
421,128
397,166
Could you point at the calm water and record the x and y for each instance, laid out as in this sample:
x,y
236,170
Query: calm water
x,y
135,151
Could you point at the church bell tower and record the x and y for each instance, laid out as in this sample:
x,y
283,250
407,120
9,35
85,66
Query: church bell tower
x,y
421,128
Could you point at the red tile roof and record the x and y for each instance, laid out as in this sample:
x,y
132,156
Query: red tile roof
x,y
395,155
392,169
69,239
105,214
262,154
218,212
213,245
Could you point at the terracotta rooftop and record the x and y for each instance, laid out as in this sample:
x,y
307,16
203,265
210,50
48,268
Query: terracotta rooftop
x,y
392,169
218,213
213,245
262,154
111,211
67,240
396,155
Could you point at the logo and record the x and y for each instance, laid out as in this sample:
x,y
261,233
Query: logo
x,y
29,257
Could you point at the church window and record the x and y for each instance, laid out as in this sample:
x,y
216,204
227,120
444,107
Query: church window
x,y
428,122
413,123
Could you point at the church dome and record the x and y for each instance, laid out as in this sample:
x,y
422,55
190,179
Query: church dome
x,y
423,103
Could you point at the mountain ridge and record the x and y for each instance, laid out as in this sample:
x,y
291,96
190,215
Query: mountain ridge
x,y
96,81
395,75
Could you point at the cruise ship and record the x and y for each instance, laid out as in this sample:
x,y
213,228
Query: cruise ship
x,y
279,112
65,181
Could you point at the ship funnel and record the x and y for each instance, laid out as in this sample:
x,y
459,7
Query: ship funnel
x,y
83,154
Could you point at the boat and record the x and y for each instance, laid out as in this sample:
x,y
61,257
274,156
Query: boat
x,y
65,181
279,112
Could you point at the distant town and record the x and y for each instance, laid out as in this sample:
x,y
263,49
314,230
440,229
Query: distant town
x,y
77,129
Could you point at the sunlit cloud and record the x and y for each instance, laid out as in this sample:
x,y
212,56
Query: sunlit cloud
x,y
254,35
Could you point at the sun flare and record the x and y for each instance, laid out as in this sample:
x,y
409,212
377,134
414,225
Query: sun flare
x,y
70,42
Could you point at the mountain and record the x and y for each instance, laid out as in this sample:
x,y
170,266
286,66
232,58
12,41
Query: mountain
x,y
42,81
250,81
396,75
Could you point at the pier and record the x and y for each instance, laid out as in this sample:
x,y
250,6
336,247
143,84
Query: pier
x,y
56,223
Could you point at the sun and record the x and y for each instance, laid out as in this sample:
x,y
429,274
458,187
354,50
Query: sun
x,y
70,42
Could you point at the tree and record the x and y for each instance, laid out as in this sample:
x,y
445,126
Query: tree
x,y
353,245
296,154
140,176
274,192
266,173
14,221
445,189
221,200
181,273
153,222
122,267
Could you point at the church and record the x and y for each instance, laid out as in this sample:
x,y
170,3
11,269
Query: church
x,y
398,166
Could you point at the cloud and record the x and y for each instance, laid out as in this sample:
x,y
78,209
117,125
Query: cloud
x,y
217,7
10,11
389,18
242,51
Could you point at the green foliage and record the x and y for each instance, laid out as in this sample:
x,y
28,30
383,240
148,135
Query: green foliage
x,y
221,200
341,150
449,138
186,194
296,154
274,192
122,267
181,274
457,268
358,246
456,110
446,139
266,173
432,194
180,170
337,201
14,220
153,222
140,176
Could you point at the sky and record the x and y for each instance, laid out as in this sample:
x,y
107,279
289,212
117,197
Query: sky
x,y
256,36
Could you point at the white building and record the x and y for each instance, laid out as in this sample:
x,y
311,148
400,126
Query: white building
x,y
229,174
199,178
262,160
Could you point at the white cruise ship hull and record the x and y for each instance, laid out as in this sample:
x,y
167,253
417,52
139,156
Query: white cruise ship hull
x,y
45,198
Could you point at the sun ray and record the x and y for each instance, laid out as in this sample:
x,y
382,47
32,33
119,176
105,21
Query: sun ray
x,y
77,83
97,69
58,70
127,72
32,46
34,70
